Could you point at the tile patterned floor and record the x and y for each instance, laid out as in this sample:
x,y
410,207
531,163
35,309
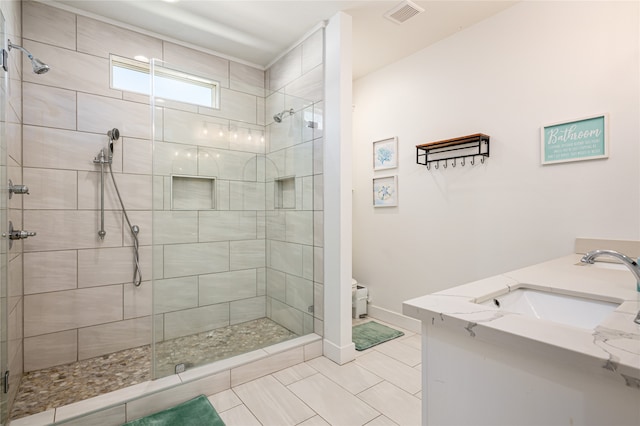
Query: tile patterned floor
x,y
380,387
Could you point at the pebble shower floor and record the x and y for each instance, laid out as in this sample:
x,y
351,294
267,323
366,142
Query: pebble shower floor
x,y
54,387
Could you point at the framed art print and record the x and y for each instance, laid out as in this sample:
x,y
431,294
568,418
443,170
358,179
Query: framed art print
x,y
385,154
385,191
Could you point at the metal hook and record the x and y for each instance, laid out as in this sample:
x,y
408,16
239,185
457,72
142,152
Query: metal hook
x,y
428,166
482,159
445,164
454,162
437,164
473,160
462,163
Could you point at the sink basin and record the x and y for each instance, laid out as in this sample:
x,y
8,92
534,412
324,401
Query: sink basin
x,y
569,310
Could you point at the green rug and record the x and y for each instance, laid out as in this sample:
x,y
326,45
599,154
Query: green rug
x,y
371,333
195,412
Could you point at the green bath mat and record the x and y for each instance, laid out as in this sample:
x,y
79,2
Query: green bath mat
x,y
371,333
195,412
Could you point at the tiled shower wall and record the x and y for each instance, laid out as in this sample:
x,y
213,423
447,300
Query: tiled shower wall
x,y
78,298
294,164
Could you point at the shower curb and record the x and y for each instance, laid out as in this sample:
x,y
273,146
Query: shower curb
x,y
123,405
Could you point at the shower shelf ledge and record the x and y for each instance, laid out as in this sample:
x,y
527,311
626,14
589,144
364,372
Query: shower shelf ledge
x,y
453,149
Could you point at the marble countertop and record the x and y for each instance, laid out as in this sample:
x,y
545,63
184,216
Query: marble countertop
x,y
613,345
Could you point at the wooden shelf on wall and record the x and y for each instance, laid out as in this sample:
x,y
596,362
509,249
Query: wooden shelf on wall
x,y
462,148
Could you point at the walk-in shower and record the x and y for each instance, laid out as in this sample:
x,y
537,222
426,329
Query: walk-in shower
x,y
39,67
228,224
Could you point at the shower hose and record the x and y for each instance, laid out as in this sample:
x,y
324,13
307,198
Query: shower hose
x,y
137,273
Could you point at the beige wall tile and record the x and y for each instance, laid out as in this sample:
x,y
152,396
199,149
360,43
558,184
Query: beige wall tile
x,y
135,190
285,257
137,300
313,51
318,264
247,195
288,68
276,284
175,159
49,106
299,293
287,316
63,149
71,229
116,336
175,294
136,156
247,254
235,106
306,89
72,70
225,164
49,24
226,286
14,142
172,227
143,219
188,128
51,189
195,259
192,321
200,63
247,310
50,271
132,119
299,227
61,348
226,225
64,310
307,262
106,266
101,39
247,79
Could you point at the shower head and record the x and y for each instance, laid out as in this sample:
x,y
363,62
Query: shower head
x,y
278,117
114,134
39,67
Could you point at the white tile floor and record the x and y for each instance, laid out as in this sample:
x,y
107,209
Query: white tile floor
x,y
380,387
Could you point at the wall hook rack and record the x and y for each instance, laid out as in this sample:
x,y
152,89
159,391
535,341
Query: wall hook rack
x,y
451,149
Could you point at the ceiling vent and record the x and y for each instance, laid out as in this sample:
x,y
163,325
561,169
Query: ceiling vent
x,y
403,11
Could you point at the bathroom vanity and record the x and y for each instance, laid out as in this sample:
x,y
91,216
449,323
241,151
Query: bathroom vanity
x,y
488,359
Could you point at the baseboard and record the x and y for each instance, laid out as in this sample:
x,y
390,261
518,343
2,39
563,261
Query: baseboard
x,y
395,318
337,354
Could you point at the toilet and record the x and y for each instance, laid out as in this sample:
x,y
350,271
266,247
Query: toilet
x,y
359,296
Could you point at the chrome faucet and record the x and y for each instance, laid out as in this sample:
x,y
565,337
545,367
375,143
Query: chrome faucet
x,y
626,260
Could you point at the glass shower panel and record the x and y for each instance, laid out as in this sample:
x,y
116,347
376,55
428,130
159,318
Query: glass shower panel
x,y
4,245
213,287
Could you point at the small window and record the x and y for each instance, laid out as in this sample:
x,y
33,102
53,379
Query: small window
x,y
133,76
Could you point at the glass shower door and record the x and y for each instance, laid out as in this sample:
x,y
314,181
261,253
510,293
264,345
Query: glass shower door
x,y
4,242
214,227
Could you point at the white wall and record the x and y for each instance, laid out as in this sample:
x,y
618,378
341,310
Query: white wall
x,y
535,63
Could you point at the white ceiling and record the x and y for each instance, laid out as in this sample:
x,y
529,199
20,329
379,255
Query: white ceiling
x,y
258,31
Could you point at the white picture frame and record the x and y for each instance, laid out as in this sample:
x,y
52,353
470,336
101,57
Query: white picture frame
x,y
385,154
385,191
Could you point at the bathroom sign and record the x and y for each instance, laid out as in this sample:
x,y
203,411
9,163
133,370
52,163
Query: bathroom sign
x,y
583,139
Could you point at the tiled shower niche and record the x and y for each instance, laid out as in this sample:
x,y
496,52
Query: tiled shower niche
x,y
193,193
